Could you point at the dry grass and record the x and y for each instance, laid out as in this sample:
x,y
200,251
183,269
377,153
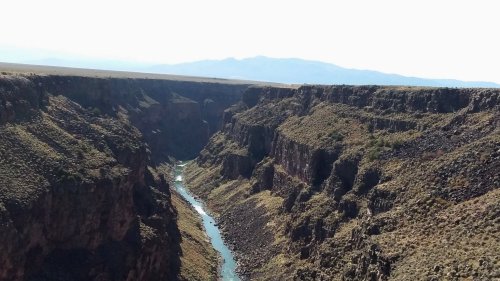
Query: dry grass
x,y
430,164
199,261
54,70
457,239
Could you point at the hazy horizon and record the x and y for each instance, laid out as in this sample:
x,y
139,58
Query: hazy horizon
x,y
438,40
264,69
53,58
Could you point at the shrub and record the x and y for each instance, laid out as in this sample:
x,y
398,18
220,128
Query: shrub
x,y
396,144
336,136
429,155
370,128
380,143
95,111
373,154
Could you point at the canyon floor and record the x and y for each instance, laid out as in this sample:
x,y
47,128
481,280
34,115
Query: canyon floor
x,y
306,182
85,173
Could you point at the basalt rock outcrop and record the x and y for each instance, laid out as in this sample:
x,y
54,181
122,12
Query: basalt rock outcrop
x,y
358,182
176,118
309,183
80,194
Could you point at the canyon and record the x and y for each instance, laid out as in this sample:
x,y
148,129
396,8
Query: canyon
x,y
357,183
306,182
85,175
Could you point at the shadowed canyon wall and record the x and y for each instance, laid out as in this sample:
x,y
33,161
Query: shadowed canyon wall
x,y
309,183
176,118
80,195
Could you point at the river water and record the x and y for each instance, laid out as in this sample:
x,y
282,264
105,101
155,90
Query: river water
x,y
229,265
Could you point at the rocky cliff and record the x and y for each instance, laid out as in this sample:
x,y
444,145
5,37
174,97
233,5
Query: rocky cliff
x,y
176,118
358,183
81,195
309,183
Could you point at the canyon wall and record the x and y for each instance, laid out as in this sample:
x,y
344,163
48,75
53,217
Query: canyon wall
x,y
357,182
81,197
308,183
176,118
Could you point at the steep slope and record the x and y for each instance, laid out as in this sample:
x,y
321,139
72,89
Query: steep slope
x,y
358,183
176,118
82,194
314,183
71,188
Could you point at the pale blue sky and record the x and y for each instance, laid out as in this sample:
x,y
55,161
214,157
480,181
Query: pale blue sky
x,y
434,39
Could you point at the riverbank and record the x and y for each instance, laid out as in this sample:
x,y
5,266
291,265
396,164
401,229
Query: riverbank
x,y
228,267
198,259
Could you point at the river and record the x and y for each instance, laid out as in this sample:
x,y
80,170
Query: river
x,y
228,269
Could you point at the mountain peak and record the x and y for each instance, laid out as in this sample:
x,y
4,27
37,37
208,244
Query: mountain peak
x,y
300,71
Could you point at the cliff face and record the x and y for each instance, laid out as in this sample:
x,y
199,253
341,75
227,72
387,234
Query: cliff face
x,y
357,183
314,183
80,197
176,118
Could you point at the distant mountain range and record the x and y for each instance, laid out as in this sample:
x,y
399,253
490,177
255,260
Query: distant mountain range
x,y
290,71
298,71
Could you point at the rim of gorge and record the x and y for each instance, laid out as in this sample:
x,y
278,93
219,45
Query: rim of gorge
x,y
307,183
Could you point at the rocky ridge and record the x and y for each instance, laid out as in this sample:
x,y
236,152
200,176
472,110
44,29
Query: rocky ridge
x,y
82,192
310,183
358,183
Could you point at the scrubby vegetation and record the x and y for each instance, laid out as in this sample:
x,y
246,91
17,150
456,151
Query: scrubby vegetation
x,y
359,183
308,183
82,195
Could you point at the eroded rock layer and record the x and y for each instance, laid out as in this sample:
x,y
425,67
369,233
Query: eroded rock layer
x,y
81,194
358,183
